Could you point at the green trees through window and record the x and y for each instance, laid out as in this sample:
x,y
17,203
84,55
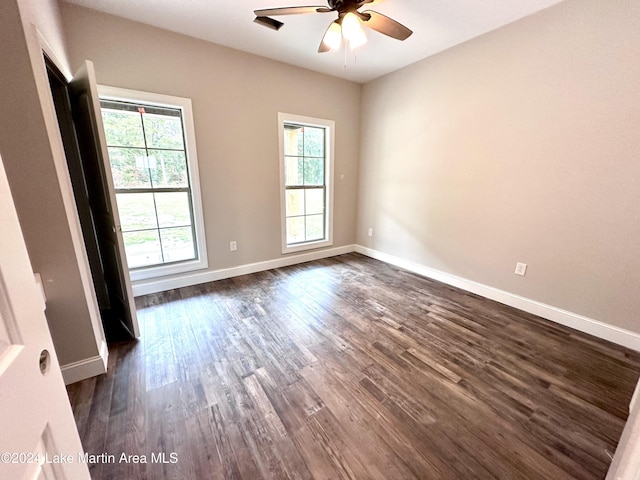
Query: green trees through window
x,y
305,185
149,166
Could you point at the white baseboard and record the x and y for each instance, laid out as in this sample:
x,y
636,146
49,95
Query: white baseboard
x,y
578,322
144,287
87,368
90,367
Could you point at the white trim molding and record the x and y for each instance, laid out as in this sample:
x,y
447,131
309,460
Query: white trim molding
x,y
144,287
87,368
578,322
599,329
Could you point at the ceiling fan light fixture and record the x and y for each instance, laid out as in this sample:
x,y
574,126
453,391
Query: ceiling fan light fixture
x,y
333,36
352,30
358,39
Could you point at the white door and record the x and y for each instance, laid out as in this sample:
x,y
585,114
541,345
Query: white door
x,y
38,434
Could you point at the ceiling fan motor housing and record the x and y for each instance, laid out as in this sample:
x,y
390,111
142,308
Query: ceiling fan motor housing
x,y
345,5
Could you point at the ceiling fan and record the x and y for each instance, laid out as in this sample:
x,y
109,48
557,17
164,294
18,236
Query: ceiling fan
x,y
347,26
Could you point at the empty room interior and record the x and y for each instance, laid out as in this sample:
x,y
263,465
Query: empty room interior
x,y
409,253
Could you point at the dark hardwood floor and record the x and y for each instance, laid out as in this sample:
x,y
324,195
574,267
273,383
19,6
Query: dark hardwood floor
x,y
351,368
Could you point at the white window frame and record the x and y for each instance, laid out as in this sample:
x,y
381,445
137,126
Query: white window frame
x,y
329,126
123,94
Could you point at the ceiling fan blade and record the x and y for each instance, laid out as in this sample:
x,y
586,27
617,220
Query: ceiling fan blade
x,y
331,38
270,12
269,22
388,26
323,47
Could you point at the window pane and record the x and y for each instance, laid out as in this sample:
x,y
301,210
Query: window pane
x,y
122,129
295,202
295,229
142,248
314,171
313,142
129,168
136,210
315,227
173,209
293,168
314,200
177,244
293,140
163,131
169,169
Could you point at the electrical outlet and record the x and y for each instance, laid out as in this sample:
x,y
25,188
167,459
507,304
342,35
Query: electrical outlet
x,y
233,246
370,232
521,269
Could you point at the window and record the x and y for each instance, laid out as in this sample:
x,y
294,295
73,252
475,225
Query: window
x,y
152,154
306,173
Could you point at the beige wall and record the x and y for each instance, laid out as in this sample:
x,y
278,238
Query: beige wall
x,y
34,161
45,16
236,98
522,145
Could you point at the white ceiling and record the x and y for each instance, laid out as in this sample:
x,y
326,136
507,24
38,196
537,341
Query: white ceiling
x,y
437,25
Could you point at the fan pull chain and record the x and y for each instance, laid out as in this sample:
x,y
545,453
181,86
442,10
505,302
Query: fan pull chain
x,y
345,55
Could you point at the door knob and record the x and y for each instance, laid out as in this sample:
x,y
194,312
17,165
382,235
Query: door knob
x,y
45,361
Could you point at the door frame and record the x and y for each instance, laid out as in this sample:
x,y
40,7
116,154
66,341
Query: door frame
x,y
626,461
39,47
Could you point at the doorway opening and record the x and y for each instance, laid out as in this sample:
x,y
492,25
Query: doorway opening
x,y
91,198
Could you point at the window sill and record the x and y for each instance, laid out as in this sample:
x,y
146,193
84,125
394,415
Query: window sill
x,y
307,246
164,270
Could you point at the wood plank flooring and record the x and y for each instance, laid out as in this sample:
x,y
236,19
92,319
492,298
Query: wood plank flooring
x,y
348,368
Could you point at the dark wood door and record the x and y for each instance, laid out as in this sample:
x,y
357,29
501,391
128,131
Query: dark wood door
x,y
62,102
102,202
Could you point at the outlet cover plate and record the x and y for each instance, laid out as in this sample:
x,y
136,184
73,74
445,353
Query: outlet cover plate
x,y
521,269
